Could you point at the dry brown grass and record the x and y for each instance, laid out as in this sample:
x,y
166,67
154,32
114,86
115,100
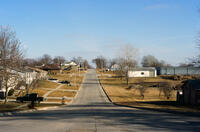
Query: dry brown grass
x,y
47,84
39,91
58,100
118,93
118,90
62,93
69,87
72,77
10,106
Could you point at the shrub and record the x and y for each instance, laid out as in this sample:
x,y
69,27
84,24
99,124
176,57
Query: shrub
x,y
11,92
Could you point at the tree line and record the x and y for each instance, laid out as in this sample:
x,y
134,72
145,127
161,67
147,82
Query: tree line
x,y
12,58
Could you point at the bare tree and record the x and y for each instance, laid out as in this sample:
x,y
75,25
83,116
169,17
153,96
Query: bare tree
x,y
100,62
10,57
127,59
30,62
85,64
59,60
167,89
111,62
77,60
150,61
46,59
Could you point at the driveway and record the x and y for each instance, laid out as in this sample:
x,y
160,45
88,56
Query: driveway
x,y
92,112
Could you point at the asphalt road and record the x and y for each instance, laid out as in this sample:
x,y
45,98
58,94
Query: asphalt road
x,y
92,112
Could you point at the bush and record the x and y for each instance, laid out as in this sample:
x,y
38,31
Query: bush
x,y
11,92
167,88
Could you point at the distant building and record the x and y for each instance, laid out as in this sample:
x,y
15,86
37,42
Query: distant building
x,y
178,70
71,63
142,72
115,67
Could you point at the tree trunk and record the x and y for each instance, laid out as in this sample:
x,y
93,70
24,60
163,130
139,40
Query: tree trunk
x,y
127,78
6,96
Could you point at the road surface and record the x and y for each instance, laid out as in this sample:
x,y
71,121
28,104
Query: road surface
x,y
92,112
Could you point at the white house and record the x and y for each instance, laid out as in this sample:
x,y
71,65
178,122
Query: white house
x,y
115,67
71,63
143,72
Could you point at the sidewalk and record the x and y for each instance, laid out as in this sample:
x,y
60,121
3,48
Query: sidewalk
x,y
45,95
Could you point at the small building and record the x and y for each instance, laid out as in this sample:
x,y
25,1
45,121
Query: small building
x,y
115,67
191,92
142,72
178,70
71,63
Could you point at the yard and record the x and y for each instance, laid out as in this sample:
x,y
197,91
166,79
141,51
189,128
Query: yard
x,y
150,95
55,97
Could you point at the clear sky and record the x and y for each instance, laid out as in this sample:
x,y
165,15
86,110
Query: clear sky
x,y
167,29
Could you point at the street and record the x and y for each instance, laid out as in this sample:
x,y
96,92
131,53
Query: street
x,y
91,111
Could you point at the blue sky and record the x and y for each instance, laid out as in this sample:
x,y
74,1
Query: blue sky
x,y
167,29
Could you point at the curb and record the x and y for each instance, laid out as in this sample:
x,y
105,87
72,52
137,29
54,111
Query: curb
x,y
16,112
26,111
104,90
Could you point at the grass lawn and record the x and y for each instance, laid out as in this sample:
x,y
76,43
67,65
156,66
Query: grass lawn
x,y
119,93
62,93
57,100
47,84
72,76
40,91
11,106
66,87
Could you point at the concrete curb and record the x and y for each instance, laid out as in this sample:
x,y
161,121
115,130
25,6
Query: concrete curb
x,y
15,112
27,111
104,90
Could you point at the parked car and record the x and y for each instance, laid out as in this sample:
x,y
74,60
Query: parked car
x,y
65,82
53,80
2,94
30,97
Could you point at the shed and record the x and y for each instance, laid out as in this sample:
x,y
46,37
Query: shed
x,y
191,92
142,72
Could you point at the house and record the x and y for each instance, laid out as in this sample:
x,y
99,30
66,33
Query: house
x,y
51,68
25,75
71,63
178,70
41,74
142,72
115,67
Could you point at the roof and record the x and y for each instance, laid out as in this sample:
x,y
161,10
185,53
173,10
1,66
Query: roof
x,y
143,69
36,69
50,67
